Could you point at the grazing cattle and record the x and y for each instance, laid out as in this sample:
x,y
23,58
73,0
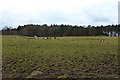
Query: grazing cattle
x,y
54,37
45,38
35,37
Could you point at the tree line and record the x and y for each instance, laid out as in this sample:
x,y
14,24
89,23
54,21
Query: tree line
x,y
60,30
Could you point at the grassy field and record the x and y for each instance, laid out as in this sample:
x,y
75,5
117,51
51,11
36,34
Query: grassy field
x,y
65,57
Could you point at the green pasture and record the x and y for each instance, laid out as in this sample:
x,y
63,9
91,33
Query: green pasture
x,y
64,57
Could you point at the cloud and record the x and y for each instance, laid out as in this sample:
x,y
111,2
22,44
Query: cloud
x,y
79,12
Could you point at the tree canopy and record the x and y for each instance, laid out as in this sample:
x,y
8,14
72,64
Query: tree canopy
x,y
61,30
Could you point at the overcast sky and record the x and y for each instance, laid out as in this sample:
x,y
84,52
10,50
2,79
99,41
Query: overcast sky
x,y
75,12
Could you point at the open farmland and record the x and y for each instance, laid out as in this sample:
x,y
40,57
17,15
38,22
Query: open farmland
x,y
65,57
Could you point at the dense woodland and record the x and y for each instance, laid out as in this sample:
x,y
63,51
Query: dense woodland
x,y
60,30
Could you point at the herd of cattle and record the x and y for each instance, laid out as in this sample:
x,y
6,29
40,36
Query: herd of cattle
x,y
35,37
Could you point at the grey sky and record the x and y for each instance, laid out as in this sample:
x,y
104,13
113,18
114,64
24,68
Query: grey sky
x,y
75,12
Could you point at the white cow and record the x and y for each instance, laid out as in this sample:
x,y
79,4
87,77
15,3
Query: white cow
x,y
35,37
